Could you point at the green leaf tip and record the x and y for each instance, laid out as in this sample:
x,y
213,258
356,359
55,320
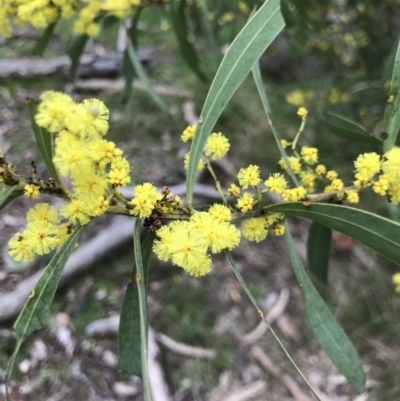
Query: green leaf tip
x,y
329,334
243,53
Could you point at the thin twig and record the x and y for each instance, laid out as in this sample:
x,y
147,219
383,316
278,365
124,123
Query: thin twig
x,y
279,307
271,368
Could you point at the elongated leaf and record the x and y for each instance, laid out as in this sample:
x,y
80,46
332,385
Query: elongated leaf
x,y
187,50
392,111
9,195
42,43
129,343
243,53
36,310
44,141
349,129
141,73
380,234
264,100
75,53
329,334
142,296
318,250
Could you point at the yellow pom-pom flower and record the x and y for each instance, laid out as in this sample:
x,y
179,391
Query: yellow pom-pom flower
x,y
302,112
249,176
352,196
331,175
188,133
254,229
43,212
320,169
234,190
245,202
309,155
391,164
41,237
119,172
276,183
294,194
19,250
382,185
220,213
53,110
90,119
367,165
31,191
145,200
217,146
76,211
278,230
396,281
294,163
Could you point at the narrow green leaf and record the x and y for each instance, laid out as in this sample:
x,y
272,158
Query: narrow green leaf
x,y
264,100
141,283
243,53
329,334
129,342
380,234
43,41
187,50
260,313
36,310
9,195
388,67
76,51
141,73
44,141
391,118
349,128
318,251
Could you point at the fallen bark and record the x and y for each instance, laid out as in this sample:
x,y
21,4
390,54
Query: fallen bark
x,y
90,66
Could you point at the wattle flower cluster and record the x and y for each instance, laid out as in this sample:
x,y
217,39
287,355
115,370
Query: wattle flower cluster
x,y
190,243
86,13
95,167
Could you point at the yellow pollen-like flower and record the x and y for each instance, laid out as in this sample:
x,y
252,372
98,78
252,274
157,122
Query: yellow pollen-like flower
x,y
367,165
31,191
217,146
352,196
309,155
320,169
278,230
188,133
331,175
302,112
220,213
254,229
294,194
234,190
276,183
396,281
249,176
245,202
